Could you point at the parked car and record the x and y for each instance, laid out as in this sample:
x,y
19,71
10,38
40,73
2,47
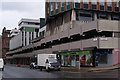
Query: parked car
x,y
1,64
33,65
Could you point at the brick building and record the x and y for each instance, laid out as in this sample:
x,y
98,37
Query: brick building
x,y
5,42
0,46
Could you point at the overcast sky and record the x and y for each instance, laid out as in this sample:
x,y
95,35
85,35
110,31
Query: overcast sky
x,y
12,12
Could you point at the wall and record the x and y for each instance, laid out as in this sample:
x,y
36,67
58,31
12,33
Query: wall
x,y
16,41
116,53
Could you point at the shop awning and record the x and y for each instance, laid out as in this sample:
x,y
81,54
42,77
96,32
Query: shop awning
x,y
77,53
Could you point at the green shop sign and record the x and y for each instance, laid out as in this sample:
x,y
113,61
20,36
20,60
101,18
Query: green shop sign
x,y
29,29
77,53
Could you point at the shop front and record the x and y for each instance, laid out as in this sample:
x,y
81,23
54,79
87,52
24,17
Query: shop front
x,y
104,58
77,59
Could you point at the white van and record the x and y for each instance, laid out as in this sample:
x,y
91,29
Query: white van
x,y
1,64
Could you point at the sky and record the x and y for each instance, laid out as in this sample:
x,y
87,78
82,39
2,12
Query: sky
x,y
12,11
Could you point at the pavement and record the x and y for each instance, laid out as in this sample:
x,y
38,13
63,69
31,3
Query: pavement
x,y
105,68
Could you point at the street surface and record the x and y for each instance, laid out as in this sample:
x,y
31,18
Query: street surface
x,y
20,72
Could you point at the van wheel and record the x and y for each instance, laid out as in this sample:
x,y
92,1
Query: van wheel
x,y
2,69
30,67
48,70
40,68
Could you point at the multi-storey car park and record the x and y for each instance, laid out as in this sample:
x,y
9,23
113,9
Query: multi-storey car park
x,y
81,33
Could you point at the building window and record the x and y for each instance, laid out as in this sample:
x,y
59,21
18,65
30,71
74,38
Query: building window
x,y
102,16
62,4
116,4
51,6
84,16
115,17
48,10
109,3
86,5
109,6
57,5
67,2
94,2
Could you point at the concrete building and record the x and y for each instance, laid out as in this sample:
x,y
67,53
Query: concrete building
x,y
73,23
31,31
80,33
5,42
0,46
14,32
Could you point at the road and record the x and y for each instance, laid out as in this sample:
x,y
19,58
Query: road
x,y
19,72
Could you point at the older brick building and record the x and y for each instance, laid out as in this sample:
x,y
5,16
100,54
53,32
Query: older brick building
x,y
5,42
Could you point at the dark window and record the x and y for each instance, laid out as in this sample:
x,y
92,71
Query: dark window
x,y
85,5
116,9
102,16
77,5
84,16
101,7
115,17
109,8
94,7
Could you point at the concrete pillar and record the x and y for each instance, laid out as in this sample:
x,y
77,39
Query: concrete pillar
x,y
31,35
24,38
27,38
109,17
95,16
73,17
34,34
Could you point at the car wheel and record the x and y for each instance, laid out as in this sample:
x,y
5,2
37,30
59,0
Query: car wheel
x,y
59,69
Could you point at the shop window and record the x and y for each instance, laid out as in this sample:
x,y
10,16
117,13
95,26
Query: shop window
x,y
102,59
77,57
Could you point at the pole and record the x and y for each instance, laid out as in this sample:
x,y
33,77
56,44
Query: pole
x,y
79,62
